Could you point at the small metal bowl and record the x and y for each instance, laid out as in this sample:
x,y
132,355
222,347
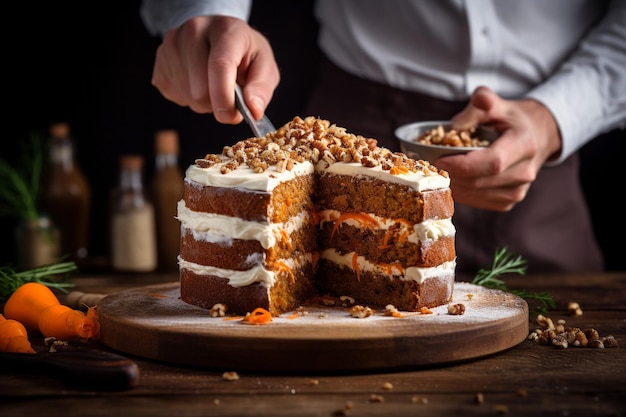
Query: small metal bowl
x,y
409,133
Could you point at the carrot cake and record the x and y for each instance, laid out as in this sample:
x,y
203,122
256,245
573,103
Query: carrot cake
x,y
312,209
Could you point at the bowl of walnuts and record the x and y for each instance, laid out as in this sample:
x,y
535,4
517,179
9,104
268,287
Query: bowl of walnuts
x,y
431,140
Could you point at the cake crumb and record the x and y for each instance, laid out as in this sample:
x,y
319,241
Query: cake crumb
x,y
375,398
456,309
479,398
361,312
387,386
574,308
230,376
218,310
418,399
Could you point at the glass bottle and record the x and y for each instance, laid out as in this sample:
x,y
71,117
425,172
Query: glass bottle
x,y
38,242
66,194
133,234
167,190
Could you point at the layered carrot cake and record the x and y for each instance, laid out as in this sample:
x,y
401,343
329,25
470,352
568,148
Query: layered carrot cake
x,y
312,209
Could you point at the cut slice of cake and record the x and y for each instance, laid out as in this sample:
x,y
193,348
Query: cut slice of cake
x,y
312,209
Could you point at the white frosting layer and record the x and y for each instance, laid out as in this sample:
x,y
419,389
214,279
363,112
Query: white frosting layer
x,y
245,177
243,278
417,274
425,231
420,180
216,228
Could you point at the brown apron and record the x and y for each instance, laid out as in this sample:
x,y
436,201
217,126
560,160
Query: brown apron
x,y
551,228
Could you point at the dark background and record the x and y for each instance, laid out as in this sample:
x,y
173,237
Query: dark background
x,y
93,68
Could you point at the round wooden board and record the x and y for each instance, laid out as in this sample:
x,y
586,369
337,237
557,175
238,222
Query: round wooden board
x,y
152,322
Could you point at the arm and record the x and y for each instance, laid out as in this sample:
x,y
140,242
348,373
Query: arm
x,y
201,59
587,94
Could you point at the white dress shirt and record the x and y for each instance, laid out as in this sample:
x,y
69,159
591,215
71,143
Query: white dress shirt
x,y
568,54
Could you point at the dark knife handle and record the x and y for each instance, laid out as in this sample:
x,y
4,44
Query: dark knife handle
x,y
94,369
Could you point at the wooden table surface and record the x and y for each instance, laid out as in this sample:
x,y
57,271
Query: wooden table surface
x,y
530,379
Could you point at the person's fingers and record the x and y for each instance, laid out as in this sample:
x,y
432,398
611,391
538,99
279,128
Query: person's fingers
x,y
484,107
499,199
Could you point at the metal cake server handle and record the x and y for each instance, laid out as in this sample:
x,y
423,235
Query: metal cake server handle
x,y
259,127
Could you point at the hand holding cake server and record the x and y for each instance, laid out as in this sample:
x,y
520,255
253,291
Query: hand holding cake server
x,y
548,77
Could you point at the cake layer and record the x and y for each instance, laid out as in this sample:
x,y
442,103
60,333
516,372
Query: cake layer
x,y
377,290
377,246
286,293
288,199
238,254
386,199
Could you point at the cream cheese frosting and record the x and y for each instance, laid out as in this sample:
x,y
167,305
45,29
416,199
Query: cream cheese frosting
x,y
245,177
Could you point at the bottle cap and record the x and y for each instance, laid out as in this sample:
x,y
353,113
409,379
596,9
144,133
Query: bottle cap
x,y
59,130
166,141
131,161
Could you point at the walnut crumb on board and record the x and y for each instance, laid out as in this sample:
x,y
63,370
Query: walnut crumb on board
x,y
563,337
230,376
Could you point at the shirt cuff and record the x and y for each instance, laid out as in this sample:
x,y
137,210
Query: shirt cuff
x,y
159,16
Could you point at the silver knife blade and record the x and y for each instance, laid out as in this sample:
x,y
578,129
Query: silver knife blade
x,y
259,127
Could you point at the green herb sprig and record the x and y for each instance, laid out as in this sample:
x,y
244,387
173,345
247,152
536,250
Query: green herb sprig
x,y
52,275
505,262
20,191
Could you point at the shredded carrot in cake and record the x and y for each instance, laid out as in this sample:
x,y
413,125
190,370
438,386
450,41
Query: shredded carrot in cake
x,y
293,316
388,268
385,244
315,218
258,316
365,219
282,267
315,259
285,239
355,266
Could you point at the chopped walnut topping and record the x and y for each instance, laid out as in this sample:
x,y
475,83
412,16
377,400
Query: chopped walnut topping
x,y
312,140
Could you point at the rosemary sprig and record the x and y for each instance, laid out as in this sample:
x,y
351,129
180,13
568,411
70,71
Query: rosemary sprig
x,y
20,190
51,275
505,262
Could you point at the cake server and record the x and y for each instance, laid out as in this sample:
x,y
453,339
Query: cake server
x,y
259,127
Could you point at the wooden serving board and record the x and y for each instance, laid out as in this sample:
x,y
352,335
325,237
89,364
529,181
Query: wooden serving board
x,y
152,322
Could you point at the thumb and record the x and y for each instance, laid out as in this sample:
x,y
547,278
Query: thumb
x,y
477,110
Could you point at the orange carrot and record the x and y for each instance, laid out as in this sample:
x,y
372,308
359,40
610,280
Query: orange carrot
x,y
13,336
258,316
36,306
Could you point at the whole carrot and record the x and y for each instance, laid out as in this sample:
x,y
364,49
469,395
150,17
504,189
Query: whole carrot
x,y
14,337
36,306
